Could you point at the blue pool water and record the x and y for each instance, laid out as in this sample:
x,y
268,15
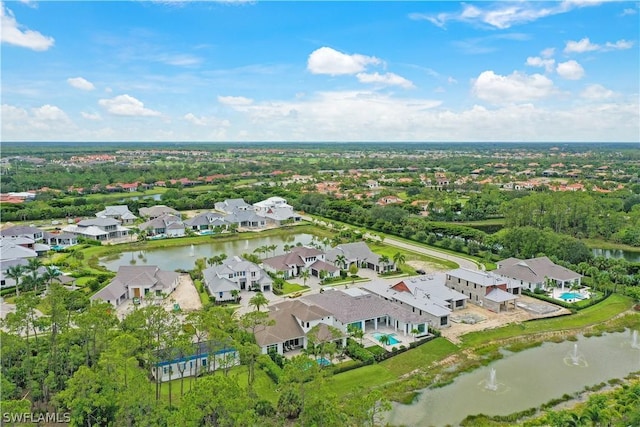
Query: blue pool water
x,y
323,362
570,295
392,338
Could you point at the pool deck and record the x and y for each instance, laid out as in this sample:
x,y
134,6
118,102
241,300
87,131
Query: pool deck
x,y
556,293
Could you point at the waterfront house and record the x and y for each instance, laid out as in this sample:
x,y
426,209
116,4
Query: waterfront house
x,y
142,282
537,273
486,289
235,274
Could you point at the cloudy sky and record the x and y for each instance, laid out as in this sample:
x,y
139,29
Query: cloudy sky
x,y
320,71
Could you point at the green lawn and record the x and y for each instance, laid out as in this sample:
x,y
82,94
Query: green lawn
x,y
289,288
390,369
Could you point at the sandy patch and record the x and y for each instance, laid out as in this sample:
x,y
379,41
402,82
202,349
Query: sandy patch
x,y
186,295
493,320
423,265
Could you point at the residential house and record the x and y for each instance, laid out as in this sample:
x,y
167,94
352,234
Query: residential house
x,y
98,229
488,290
360,254
23,231
235,274
426,295
207,221
166,225
28,243
537,273
11,249
230,206
157,211
59,241
301,258
143,282
120,213
389,200
358,308
5,265
276,210
292,321
207,356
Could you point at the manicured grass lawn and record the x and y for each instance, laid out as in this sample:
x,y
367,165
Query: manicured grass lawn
x,y
593,315
289,288
390,369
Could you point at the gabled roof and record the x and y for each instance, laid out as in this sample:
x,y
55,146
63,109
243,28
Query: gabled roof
x,y
534,270
20,230
498,295
352,251
10,250
481,278
158,210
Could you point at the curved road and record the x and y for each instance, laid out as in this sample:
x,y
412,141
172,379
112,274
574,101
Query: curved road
x,y
462,262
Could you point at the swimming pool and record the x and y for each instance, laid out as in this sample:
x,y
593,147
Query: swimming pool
x,y
571,296
392,338
323,362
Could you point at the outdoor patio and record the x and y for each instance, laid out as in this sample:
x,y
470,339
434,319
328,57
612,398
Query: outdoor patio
x,y
568,295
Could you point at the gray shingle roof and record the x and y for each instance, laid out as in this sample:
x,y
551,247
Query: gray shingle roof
x,y
534,270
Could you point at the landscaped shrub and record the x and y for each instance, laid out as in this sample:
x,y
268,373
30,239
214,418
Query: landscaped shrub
x,y
356,351
272,370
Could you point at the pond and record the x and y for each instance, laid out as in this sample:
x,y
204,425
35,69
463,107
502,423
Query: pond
x,y
524,380
184,257
617,254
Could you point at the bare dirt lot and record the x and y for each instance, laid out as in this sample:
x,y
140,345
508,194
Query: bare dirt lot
x,y
490,320
186,295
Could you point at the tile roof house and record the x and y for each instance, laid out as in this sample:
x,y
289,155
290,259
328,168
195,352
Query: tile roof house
x,y
23,231
537,273
207,221
10,249
299,259
292,321
231,205
153,212
144,282
360,254
167,225
98,229
366,311
120,213
276,210
235,274
425,294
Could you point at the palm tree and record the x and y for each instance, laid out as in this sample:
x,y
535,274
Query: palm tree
x,y
32,267
272,248
50,274
341,260
305,276
384,339
414,332
15,272
384,260
235,294
258,300
399,259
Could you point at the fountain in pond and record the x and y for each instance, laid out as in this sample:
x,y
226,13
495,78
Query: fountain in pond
x,y
192,251
492,383
634,340
575,358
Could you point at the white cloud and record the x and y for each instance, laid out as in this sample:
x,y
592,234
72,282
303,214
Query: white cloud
x,y
548,52
585,45
80,83
14,33
503,15
581,46
513,88
570,70
91,116
387,79
596,92
126,105
179,60
234,101
326,60
49,113
451,80
44,121
619,45
536,61
629,11
206,121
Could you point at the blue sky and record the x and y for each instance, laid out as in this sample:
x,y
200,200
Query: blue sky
x,y
320,71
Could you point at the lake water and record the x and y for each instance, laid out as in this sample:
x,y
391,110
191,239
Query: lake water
x,y
617,254
524,380
184,257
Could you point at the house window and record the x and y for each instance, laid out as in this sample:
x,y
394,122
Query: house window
x,y
253,274
164,371
220,293
443,321
204,362
458,280
475,286
272,348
